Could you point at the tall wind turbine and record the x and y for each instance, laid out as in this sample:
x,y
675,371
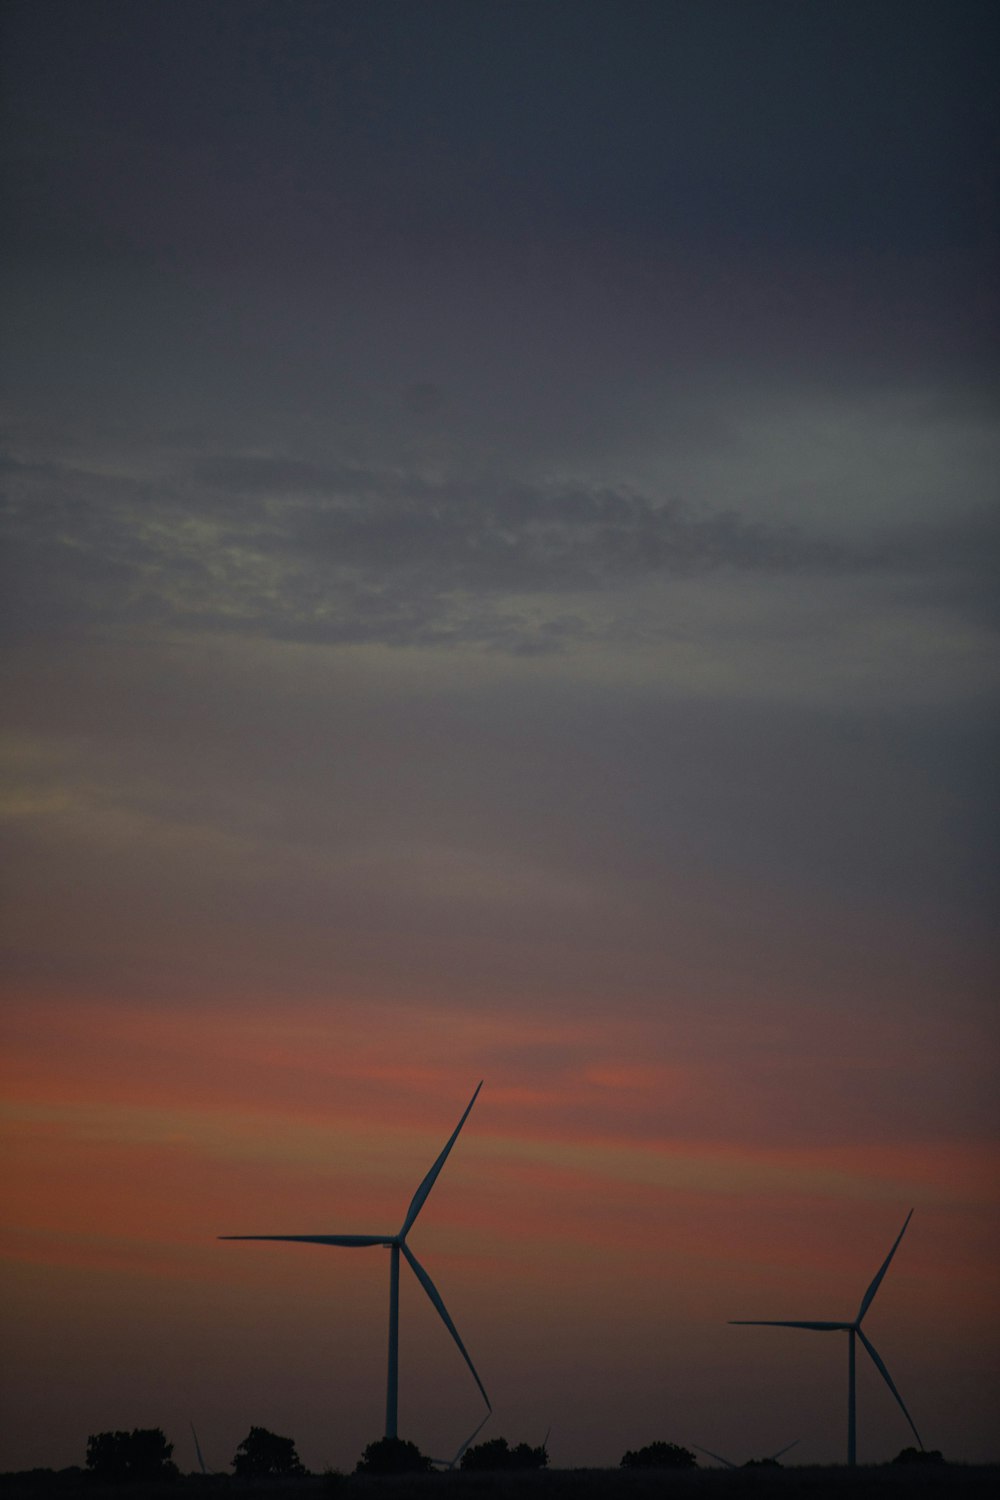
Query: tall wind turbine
x,y
396,1244
854,1331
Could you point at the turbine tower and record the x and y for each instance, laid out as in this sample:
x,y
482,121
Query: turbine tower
x,y
854,1331
396,1245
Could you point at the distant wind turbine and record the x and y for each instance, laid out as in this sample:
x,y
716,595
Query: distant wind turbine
x,y
769,1458
853,1331
396,1244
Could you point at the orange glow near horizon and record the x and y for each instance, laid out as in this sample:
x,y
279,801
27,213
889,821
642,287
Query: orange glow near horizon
x,y
134,1139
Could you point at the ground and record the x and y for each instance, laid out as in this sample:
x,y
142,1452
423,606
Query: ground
x,y
881,1482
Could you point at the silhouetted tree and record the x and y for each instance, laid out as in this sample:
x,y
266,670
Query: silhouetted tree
x,y
919,1456
496,1454
491,1454
659,1456
264,1455
121,1457
526,1457
392,1456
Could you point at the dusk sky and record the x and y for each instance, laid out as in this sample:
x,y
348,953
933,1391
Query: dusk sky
x,y
500,581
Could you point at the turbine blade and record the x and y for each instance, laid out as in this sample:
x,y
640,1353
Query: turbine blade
x,y
435,1296
420,1195
353,1240
818,1327
876,1283
880,1366
197,1449
717,1456
471,1438
787,1449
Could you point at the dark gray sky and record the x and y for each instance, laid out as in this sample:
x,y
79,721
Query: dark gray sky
x,y
500,524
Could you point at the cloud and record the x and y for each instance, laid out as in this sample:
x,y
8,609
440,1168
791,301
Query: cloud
x,y
268,546
295,550
951,562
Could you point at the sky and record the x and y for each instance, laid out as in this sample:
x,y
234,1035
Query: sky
x,y
500,556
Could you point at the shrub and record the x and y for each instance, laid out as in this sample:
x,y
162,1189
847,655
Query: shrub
x,y
123,1457
526,1457
392,1456
264,1455
919,1456
659,1456
496,1454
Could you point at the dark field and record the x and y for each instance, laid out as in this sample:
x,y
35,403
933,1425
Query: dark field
x,y
881,1482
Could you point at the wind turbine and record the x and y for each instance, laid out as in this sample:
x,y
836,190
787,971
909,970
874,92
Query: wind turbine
x,y
853,1331
769,1458
396,1244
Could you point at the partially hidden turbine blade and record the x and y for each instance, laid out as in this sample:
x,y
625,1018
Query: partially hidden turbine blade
x,y
787,1449
717,1456
771,1323
449,1463
879,1364
876,1283
420,1196
472,1437
435,1296
351,1240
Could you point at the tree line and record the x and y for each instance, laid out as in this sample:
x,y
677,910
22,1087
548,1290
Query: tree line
x,y
144,1454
